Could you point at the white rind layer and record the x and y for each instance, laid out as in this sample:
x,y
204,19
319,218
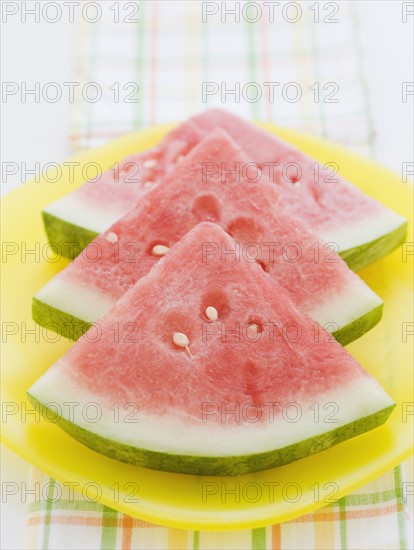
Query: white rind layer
x,y
175,434
80,212
361,232
89,304
345,306
82,302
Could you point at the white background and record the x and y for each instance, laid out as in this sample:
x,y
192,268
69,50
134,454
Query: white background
x,y
38,132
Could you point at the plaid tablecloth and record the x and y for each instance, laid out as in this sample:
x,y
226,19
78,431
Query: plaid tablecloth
x,y
155,62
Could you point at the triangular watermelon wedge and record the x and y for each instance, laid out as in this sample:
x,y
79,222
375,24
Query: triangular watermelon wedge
x,y
317,279
363,229
206,366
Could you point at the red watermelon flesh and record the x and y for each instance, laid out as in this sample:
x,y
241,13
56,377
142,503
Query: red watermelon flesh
x,y
251,211
125,183
179,391
362,228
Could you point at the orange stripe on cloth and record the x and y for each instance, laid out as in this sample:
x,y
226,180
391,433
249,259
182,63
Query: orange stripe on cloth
x,y
276,538
127,525
123,521
332,515
108,134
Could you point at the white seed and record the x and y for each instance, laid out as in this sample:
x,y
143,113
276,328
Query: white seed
x,y
179,158
160,250
111,237
149,183
149,163
180,339
211,313
252,331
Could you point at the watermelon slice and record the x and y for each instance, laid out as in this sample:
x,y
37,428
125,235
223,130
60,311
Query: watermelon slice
x,y
215,369
363,229
317,279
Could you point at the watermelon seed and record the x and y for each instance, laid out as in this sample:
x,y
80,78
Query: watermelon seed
x,y
160,250
150,163
148,183
211,313
179,158
181,340
252,331
111,237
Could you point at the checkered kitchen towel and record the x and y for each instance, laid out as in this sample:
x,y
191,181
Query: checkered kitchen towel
x,y
160,61
372,518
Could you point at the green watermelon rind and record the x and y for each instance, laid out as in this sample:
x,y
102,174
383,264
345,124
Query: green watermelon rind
x,y
72,327
66,237
367,253
213,465
58,321
357,328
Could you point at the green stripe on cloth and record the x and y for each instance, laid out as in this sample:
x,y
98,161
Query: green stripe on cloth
x,y
400,506
362,79
259,539
73,505
90,106
342,522
252,61
196,540
370,498
48,514
109,528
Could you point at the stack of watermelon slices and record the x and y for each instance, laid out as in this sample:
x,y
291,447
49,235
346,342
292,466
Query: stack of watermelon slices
x,y
197,319
250,211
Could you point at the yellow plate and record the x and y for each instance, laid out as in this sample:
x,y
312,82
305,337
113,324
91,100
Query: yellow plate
x,y
188,501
